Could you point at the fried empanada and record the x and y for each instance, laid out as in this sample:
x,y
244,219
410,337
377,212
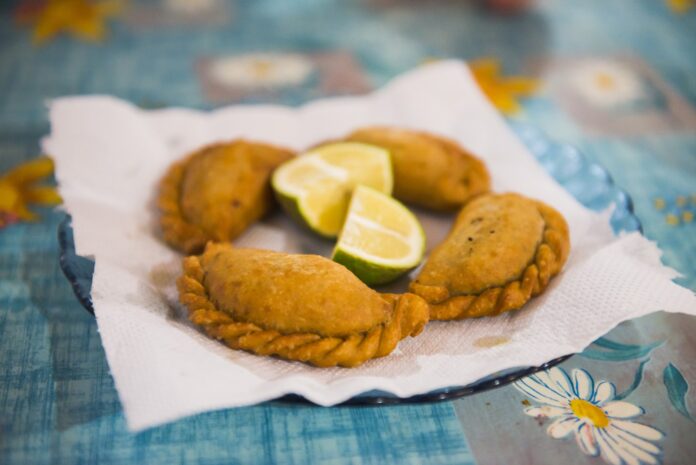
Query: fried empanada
x,y
429,171
502,250
216,192
297,307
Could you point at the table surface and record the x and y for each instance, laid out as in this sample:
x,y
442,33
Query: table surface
x,y
58,403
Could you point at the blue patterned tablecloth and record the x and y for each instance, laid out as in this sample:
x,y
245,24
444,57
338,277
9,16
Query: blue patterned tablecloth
x,y
619,83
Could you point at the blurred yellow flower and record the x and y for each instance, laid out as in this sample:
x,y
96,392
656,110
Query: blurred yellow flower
x,y
681,6
18,189
502,91
83,19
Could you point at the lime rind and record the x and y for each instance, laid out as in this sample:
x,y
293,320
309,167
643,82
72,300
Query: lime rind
x,y
298,211
369,273
372,269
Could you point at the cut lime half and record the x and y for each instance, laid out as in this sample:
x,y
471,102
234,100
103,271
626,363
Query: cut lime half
x,y
315,188
381,239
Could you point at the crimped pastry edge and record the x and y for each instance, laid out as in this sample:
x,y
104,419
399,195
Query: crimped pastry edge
x,y
176,231
549,258
410,314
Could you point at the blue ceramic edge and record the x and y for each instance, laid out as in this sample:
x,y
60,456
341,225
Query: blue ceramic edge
x,y
76,268
588,182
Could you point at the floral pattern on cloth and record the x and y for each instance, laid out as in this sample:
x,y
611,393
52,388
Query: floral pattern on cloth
x,y
612,85
681,6
675,384
82,19
503,91
261,70
602,426
617,96
18,189
268,76
678,210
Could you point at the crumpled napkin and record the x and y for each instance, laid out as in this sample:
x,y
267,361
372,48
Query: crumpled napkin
x,y
109,156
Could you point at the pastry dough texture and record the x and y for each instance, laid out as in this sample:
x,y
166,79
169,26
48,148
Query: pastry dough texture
x,y
297,307
216,193
429,171
502,250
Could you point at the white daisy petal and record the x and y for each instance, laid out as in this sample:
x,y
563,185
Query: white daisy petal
x,y
621,435
638,429
559,381
631,454
546,387
620,409
607,85
625,447
606,449
563,427
546,411
530,388
604,392
586,440
261,70
583,384
539,392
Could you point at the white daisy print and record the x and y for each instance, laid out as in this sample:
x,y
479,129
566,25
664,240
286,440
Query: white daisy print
x,y
601,426
607,84
261,70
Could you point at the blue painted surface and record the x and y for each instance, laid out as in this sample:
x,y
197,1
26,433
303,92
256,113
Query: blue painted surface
x,y
637,379
57,400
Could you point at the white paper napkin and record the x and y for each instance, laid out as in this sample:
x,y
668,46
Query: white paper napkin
x,y
109,156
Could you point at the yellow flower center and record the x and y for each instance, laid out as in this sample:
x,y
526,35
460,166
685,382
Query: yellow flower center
x,y
605,81
672,219
262,68
584,409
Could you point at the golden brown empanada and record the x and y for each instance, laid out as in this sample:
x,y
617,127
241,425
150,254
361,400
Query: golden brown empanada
x,y
216,192
502,250
297,307
429,171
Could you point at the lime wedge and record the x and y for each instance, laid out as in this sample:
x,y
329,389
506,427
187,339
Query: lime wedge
x,y
315,188
381,239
